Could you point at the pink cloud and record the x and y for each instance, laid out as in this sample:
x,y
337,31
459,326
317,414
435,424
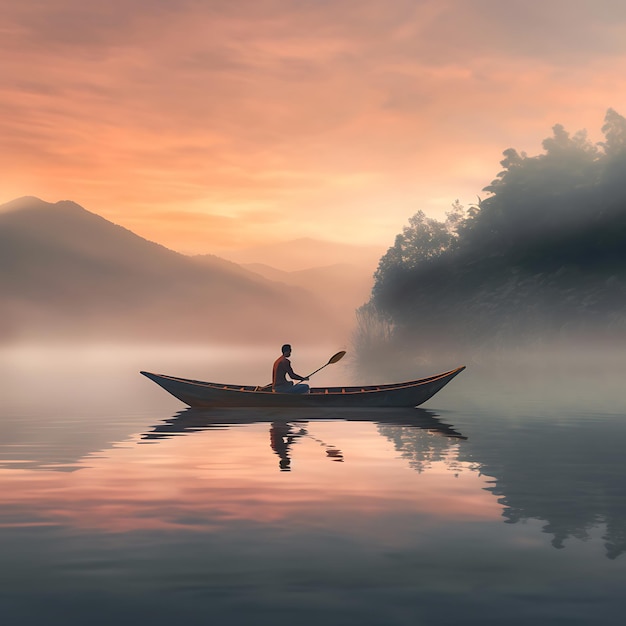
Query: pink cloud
x,y
355,110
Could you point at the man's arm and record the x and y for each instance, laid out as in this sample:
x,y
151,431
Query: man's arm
x,y
292,374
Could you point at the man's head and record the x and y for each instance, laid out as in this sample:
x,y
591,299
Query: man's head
x,y
286,350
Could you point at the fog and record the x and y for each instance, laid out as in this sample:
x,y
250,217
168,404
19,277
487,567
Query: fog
x,y
537,264
58,371
534,269
69,275
543,359
525,416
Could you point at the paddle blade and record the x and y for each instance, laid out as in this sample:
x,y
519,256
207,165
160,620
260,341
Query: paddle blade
x,y
336,357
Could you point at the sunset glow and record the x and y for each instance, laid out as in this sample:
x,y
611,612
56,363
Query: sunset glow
x,y
223,475
209,126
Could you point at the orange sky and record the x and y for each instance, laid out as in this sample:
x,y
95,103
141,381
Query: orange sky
x,y
209,125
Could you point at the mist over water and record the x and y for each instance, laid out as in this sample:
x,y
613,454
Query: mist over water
x,y
500,500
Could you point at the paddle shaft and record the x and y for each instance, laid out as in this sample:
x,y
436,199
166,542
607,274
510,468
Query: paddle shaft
x,y
316,371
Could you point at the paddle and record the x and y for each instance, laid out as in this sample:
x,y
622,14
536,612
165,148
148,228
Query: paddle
x,y
333,359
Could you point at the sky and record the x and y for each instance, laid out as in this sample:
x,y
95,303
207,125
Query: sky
x,y
209,125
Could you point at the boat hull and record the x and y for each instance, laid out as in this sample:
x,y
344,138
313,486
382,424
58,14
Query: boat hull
x,y
199,394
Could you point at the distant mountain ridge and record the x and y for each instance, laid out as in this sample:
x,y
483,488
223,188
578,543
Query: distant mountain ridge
x,y
68,273
306,253
339,274
343,285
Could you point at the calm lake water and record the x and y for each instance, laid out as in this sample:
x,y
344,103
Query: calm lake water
x,y
501,501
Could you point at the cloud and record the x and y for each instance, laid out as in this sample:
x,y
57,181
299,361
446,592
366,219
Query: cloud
x,y
196,231
324,114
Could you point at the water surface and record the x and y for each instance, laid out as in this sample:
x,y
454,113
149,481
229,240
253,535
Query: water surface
x,y
502,500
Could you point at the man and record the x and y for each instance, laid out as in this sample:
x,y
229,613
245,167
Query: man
x,y
282,369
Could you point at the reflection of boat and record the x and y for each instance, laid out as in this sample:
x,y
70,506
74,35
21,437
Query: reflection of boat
x,y
193,420
200,394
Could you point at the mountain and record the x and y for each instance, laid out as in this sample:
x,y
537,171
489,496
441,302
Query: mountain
x,y
342,286
68,273
306,253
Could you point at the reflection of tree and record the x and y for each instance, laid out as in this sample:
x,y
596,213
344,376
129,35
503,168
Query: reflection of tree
x,y
615,537
421,447
571,478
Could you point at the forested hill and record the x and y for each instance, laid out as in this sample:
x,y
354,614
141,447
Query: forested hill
x,y
541,258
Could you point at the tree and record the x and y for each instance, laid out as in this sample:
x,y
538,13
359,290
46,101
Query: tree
x,y
424,239
538,254
614,130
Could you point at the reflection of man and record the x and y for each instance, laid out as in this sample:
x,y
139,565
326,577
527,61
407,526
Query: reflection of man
x,y
281,437
282,369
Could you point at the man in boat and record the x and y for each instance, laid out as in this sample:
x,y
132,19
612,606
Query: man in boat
x,y
282,368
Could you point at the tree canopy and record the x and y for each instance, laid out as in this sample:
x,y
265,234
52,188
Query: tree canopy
x,y
550,231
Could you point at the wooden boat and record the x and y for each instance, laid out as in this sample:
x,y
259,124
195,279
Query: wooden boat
x,y
201,394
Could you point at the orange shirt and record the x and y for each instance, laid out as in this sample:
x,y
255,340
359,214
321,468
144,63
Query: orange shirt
x,y
282,367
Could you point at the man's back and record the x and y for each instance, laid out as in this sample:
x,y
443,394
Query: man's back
x,y
282,367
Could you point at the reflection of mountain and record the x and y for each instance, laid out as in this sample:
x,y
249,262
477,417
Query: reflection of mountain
x,y
67,272
59,442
